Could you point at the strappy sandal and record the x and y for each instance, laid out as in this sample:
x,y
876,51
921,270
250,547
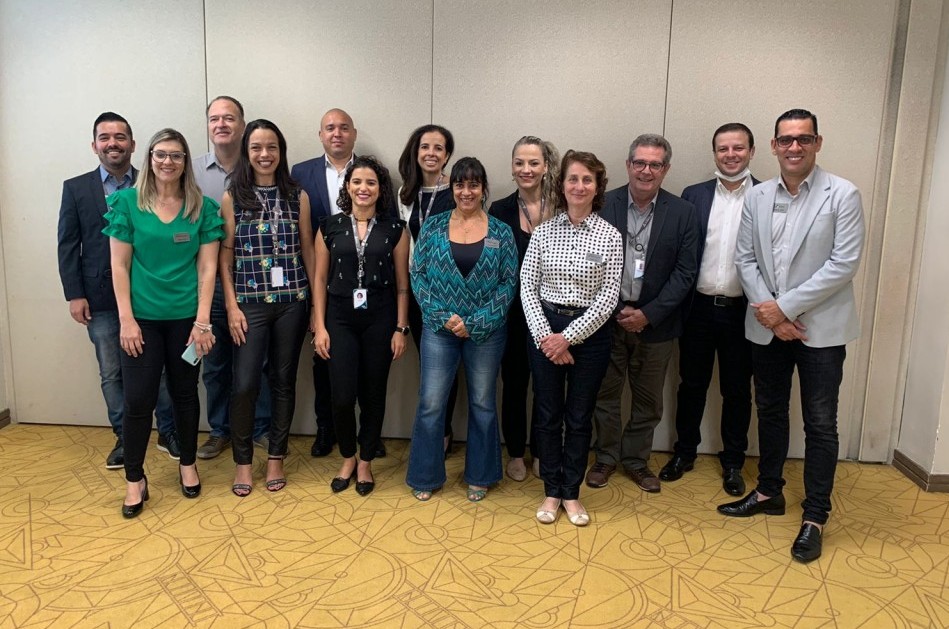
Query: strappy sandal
x,y
422,495
476,495
277,483
241,490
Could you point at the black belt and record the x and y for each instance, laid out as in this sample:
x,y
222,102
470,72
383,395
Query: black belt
x,y
558,309
724,302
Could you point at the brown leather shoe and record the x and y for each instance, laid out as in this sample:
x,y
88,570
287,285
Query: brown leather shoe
x,y
599,475
646,480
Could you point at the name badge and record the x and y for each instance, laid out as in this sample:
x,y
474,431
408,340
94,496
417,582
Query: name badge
x,y
595,257
276,276
638,268
491,243
780,208
360,298
182,237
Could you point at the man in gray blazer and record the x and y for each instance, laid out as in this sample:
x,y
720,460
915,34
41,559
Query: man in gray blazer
x,y
799,246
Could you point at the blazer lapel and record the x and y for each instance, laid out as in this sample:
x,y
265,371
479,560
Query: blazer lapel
x,y
817,197
95,189
658,222
320,183
764,211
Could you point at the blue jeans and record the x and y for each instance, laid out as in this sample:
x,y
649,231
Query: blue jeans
x,y
103,330
218,375
441,354
820,370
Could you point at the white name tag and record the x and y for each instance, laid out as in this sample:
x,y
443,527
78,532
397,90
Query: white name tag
x,y
595,257
276,276
491,243
781,208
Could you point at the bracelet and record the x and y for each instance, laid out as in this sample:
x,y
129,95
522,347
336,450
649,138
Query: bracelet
x,y
204,328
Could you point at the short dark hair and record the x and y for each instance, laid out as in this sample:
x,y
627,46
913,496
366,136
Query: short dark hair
x,y
594,165
236,102
796,114
408,162
470,169
110,116
345,202
728,127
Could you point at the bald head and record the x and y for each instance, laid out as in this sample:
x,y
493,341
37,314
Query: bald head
x,y
338,136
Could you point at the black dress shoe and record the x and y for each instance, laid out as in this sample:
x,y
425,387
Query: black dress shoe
x,y
131,511
365,487
116,458
188,492
807,546
380,451
339,484
676,467
323,444
732,482
749,506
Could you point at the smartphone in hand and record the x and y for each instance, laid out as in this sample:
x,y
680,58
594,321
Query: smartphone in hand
x,y
190,355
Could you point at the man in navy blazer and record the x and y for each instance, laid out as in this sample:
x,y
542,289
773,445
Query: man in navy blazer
x,y
660,236
799,246
85,269
716,319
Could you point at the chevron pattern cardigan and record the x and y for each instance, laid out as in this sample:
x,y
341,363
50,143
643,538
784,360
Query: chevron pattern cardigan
x,y
482,298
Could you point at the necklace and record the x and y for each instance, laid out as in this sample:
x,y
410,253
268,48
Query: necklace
x,y
466,224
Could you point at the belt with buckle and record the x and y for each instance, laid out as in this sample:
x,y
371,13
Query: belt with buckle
x,y
724,302
567,312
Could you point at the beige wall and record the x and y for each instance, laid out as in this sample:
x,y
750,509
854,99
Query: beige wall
x,y
585,76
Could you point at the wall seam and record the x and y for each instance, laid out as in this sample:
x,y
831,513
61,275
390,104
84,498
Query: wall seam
x,y
431,91
665,101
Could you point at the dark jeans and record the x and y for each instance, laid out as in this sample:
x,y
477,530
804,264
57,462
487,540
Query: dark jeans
x,y
712,330
415,322
163,344
820,371
515,378
275,332
360,358
217,373
564,396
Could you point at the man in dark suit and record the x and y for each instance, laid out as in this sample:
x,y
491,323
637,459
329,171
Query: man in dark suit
x,y
85,269
660,235
716,320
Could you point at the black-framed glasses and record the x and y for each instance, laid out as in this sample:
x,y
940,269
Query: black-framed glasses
x,y
176,156
785,141
640,165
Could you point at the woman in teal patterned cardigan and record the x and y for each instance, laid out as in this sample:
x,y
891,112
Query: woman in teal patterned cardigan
x,y
464,273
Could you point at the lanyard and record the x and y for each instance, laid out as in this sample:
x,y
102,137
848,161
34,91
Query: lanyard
x,y
527,216
361,247
638,246
275,214
424,217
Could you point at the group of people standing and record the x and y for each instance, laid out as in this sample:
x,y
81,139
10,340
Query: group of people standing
x,y
562,282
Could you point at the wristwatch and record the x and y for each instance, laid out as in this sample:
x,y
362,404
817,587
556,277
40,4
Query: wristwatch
x,y
404,330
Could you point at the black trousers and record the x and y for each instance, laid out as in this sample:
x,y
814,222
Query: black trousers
x,y
163,344
712,330
415,322
360,358
322,396
515,378
274,332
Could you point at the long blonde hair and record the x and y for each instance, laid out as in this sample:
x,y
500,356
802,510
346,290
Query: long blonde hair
x,y
148,191
548,185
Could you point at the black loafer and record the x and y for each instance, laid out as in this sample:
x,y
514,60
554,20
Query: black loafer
x,y
807,546
732,482
380,452
749,506
132,511
365,487
676,467
339,484
323,444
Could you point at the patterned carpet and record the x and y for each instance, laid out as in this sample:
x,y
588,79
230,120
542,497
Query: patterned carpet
x,y
305,557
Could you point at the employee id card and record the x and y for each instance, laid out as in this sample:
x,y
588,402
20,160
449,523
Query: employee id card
x,y
360,298
276,276
639,267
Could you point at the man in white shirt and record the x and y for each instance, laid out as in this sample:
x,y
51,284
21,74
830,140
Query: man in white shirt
x,y
716,320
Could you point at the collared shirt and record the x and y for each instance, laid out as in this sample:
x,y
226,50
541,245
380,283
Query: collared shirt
x,y
573,266
784,215
109,182
334,181
210,176
718,274
636,219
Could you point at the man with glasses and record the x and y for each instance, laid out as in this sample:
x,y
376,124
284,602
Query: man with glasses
x,y
716,319
85,269
225,117
799,246
660,235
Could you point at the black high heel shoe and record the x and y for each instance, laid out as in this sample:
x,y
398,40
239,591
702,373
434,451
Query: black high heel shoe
x,y
192,491
131,511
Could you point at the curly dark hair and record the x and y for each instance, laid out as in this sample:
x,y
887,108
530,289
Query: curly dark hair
x,y
345,202
594,165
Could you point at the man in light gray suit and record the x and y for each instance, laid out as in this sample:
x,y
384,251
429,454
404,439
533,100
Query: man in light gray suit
x,y
799,246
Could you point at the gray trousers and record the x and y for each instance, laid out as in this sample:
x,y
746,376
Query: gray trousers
x,y
645,365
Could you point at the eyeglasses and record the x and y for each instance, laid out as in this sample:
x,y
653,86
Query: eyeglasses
x,y
177,157
640,165
785,141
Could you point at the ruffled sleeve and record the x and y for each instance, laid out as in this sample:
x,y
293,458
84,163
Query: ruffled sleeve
x,y
119,222
212,225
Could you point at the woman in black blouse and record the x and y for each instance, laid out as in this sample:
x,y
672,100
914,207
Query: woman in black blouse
x,y
425,193
361,303
535,165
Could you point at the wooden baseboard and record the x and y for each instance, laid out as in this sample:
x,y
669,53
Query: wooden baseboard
x,y
4,417
912,470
